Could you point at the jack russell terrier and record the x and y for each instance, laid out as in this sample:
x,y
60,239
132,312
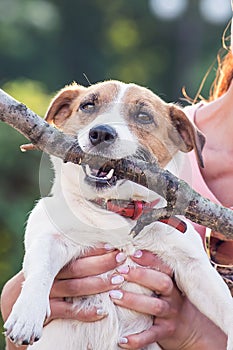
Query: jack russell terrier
x,y
114,120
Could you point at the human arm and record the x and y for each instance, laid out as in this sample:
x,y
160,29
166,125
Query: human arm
x,y
177,323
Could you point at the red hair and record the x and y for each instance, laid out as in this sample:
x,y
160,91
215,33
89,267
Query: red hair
x,y
223,78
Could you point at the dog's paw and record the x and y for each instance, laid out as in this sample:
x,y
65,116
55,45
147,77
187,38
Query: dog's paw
x,y
25,323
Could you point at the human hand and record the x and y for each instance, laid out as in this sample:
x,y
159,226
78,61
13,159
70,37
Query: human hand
x,y
177,323
81,278
76,279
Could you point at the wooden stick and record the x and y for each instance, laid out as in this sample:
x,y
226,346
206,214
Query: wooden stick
x,y
181,198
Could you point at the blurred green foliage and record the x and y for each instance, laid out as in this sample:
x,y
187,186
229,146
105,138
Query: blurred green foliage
x,y
45,44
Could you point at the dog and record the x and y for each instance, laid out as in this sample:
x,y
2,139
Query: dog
x,y
114,120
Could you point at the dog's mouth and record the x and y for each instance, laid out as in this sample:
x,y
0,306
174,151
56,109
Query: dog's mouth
x,y
102,177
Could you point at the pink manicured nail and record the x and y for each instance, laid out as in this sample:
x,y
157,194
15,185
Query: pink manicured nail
x,y
137,254
108,247
123,269
118,279
123,341
116,294
120,257
101,312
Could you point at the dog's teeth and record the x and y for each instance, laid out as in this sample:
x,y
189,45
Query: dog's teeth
x,y
88,170
104,179
110,174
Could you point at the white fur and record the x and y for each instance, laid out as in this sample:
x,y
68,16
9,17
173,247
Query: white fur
x,y
64,226
125,144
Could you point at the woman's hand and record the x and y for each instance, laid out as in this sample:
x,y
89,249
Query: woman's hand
x,y
76,279
177,323
81,278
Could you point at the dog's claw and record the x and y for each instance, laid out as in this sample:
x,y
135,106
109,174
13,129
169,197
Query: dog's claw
x,y
7,331
23,340
24,327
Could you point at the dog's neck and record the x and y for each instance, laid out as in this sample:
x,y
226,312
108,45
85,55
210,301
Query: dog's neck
x,y
93,221
135,209
128,209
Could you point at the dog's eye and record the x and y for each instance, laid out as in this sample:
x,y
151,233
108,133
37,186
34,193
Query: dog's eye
x,y
144,118
87,106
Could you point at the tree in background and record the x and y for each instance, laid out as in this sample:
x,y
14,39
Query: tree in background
x,y
56,42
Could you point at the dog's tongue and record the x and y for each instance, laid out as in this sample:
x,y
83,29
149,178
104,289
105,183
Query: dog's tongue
x,y
100,173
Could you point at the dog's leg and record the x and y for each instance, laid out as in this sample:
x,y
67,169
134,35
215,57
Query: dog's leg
x,y
44,258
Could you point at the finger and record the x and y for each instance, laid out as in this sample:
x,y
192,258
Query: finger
x,y
100,249
140,340
159,282
66,310
89,266
141,303
84,286
147,259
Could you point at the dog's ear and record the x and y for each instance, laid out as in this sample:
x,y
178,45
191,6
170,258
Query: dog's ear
x,y
62,105
190,137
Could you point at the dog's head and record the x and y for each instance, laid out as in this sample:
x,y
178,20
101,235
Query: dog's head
x,y
117,120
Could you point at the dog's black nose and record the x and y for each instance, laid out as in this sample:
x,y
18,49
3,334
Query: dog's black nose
x,y
104,134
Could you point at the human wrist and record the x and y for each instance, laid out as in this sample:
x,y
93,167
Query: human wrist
x,y
211,337
205,336
194,331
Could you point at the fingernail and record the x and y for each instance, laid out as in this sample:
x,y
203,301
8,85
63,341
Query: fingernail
x,y
117,279
120,257
137,254
101,312
123,341
108,247
123,269
116,294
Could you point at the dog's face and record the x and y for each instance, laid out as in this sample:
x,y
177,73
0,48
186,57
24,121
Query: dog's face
x,y
117,120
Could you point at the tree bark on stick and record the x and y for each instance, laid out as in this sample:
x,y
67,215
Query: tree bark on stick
x,y
181,198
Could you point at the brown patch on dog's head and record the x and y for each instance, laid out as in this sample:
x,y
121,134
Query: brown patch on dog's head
x,y
146,116
189,136
161,128
62,105
65,111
